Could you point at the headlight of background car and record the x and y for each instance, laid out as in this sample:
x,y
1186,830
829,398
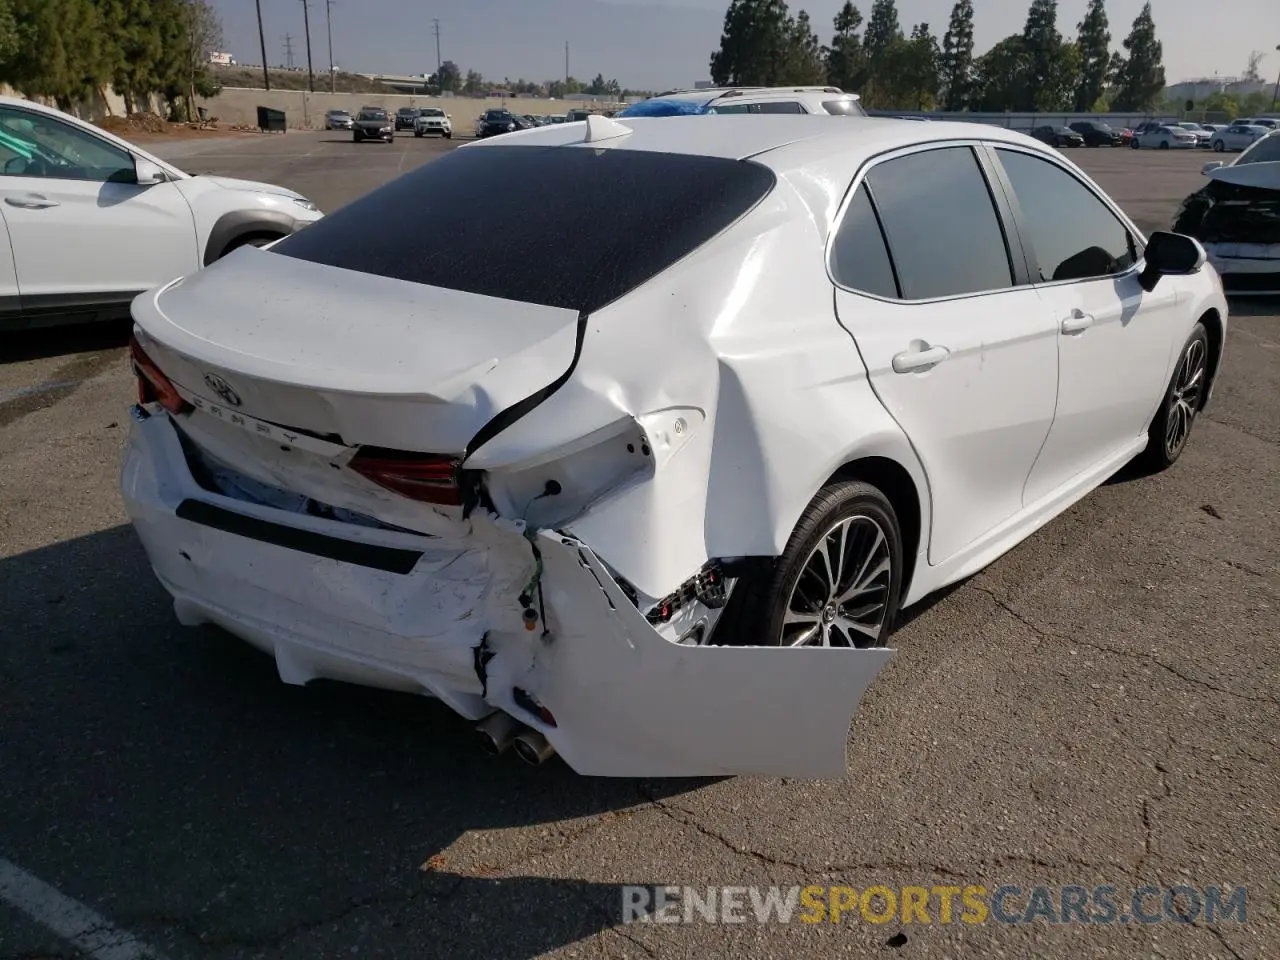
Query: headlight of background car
x,y
306,204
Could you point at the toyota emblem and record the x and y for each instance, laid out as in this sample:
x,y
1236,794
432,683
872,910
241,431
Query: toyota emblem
x,y
226,393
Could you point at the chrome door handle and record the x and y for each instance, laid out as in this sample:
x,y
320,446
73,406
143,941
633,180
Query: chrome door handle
x,y
919,359
1078,322
30,201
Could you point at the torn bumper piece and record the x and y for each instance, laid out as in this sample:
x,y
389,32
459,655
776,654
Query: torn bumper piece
x,y
613,696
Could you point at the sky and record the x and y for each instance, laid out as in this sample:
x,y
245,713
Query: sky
x,y
660,44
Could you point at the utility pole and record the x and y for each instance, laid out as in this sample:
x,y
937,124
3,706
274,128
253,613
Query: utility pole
x,y
288,50
328,14
566,65
306,25
262,42
435,25
1275,95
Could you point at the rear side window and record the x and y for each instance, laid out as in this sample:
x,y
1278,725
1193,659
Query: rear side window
x,y
941,224
779,106
844,108
478,220
1075,235
859,258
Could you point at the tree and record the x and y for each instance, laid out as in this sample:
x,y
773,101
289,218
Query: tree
x,y
1094,45
759,45
1253,70
1000,76
1043,89
884,55
916,72
1222,103
597,85
955,63
846,59
474,83
448,75
1140,79
804,58
8,32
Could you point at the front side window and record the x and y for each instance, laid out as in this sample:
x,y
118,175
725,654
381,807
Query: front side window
x,y
1075,235
859,257
1265,150
35,145
941,224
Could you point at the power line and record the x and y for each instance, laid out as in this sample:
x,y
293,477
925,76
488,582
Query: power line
x,y
328,13
306,23
288,50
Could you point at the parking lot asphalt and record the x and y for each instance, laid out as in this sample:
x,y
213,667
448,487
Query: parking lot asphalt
x,y
1098,707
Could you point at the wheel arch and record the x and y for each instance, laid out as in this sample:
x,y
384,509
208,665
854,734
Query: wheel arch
x,y
1213,327
242,224
893,480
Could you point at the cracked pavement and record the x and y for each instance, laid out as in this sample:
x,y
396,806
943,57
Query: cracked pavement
x,y
1099,706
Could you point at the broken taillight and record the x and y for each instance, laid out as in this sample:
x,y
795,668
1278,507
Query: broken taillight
x,y
153,385
425,477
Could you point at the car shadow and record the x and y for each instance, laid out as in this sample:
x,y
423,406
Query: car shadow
x,y
171,772
40,343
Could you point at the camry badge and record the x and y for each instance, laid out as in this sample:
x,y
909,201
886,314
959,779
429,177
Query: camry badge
x,y
224,390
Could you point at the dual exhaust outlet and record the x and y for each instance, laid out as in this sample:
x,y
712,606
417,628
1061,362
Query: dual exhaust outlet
x,y
499,730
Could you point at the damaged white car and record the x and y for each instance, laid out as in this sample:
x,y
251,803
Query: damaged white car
x,y
644,479
1237,218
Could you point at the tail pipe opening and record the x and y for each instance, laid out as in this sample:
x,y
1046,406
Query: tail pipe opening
x,y
496,732
532,747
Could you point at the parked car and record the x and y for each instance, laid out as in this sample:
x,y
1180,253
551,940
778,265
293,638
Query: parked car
x,y
1165,137
1058,136
478,493
754,100
491,123
1269,122
1237,218
338,120
432,121
1096,133
1239,135
557,118
405,118
1201,133
373,123
89,221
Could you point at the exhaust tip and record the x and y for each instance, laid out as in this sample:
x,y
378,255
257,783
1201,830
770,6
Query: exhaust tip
x,y
532,747
495,732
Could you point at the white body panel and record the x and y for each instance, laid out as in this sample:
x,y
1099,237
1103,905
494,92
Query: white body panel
x,y
1237,137
130,236
697,419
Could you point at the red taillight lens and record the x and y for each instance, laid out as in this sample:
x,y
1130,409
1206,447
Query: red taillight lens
x,y
153,385
426,477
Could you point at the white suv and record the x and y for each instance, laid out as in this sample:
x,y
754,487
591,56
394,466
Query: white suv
x,y
830,100
88,221
431,121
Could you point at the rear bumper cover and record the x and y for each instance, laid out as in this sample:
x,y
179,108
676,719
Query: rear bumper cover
x,y
626,701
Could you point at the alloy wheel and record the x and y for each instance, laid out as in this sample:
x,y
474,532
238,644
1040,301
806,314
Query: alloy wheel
x,y
840,597
1184,398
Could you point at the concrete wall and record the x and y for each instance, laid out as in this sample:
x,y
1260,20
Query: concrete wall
x,y
305,111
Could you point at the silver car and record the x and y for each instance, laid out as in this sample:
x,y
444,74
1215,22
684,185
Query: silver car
x,y
338,120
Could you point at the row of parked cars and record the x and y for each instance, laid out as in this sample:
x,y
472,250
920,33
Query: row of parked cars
x,y
1159,134
375,123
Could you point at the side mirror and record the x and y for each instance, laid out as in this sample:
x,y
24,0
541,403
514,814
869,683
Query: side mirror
x,y
1212,165
1170,254
147,173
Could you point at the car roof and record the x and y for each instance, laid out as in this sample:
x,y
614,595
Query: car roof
x,y
737,138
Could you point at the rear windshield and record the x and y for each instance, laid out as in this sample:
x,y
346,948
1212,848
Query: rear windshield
x,y
478,220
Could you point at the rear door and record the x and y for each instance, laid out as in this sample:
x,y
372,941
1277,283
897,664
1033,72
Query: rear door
x,y
959,350
1114,338
84,232
10,305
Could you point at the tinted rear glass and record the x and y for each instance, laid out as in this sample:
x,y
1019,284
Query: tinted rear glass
x,y
844,108
478,220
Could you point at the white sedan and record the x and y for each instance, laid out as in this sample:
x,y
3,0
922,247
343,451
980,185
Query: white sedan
x,y
658,512
1168,136
89,221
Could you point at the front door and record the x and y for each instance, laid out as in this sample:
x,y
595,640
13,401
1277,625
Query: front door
x,y
1114,339
83,230
964,359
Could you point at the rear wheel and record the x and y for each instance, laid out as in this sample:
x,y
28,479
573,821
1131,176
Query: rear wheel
x,y
1164,144
1134,143
1219,146
837,583
1183,399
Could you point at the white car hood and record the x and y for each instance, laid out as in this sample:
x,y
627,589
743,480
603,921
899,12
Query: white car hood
x,y
1264,175
231,183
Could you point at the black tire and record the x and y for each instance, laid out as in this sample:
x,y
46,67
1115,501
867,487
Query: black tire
x,y
448,136
417,134
1164,144
1219,146
763,597
1181,403
1134,143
